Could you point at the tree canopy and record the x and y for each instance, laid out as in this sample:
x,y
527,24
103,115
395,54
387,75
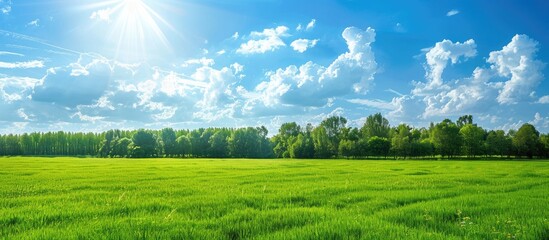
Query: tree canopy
x,y
332,138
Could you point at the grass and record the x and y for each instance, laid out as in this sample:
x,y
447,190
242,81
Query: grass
x,y
75,198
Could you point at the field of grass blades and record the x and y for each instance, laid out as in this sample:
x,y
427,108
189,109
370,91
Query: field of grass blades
x,y
83,198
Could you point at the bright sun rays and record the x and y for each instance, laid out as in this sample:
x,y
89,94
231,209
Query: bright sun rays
x,y
135,28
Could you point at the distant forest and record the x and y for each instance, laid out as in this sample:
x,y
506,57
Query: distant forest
x,y
331,139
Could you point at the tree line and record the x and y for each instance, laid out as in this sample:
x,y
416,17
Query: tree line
x,y
330,139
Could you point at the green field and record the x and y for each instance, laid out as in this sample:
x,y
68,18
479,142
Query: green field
x,y
73,198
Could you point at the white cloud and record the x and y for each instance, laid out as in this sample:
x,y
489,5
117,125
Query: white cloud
x,y
376,103
238,68
452,12
102,15
15,88
299,27
268,40
21,113
11,53
438,57
540,122
218,90
313,85
311,25
235,36
176,85
483,91
78,83
200,61
301,45
517,61
24,65
5,7
544,99
34,23
221,52
86,118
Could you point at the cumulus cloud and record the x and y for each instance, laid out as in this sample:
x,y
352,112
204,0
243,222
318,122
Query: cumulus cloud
x,y
313,85
540,122
74,85
17,88
480,92
24,65
301,45
544,100
261,42
517,62
443,52
452,12
238,68
218,90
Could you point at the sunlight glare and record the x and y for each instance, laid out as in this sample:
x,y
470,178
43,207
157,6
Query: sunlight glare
x,y
136,30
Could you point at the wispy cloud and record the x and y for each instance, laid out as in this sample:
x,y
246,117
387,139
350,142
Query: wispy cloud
x,y
311,25
376,103
33,39
29,64
235,36
452,12
5,7
11,53
102,15
34,23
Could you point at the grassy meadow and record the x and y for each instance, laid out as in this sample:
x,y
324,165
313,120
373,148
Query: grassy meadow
x,y
80,198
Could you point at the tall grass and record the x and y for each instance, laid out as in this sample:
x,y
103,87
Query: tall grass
x,y
73,198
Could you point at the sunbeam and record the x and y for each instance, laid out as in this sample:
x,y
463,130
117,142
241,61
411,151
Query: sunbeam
x,y
135,28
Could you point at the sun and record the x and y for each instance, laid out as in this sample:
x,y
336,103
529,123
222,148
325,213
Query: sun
x,y
135,28
133,3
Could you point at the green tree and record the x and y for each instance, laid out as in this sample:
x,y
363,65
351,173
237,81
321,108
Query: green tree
x,y
144,144
283,140
497,143
526,140
473,139
120,147
219,146
544,140
321,142
401,141
335,129
378,146
106,144
375,126
446,138
168,141
348,148
183,146
464,120
302,147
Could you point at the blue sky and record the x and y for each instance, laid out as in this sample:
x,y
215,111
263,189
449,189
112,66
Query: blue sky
x,y
96,65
